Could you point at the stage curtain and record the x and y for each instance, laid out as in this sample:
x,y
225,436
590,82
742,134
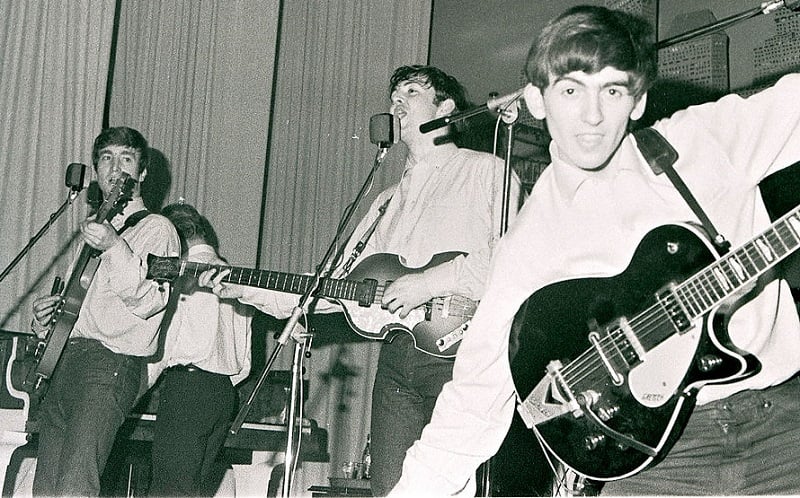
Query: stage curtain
x,y
53,66
195,78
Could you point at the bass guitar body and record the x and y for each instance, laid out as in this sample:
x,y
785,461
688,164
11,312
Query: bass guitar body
x,y
429,325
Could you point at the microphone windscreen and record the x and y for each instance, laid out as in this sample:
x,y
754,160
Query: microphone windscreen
x,y
384,129
76,173
94,196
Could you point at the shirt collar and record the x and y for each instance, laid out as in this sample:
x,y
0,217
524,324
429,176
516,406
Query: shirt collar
x,y
201,249
133,206
569,178
436,157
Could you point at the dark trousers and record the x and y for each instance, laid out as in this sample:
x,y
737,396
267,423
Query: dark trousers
x,y
195,410
746,444
91,392
407,384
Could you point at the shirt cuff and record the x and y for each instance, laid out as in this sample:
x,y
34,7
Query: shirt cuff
x,y
441,279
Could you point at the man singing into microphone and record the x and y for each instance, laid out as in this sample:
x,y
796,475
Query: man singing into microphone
x,y
448,199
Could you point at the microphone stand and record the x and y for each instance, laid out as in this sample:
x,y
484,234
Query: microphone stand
x,y
53,217
509,114
302,339
766,7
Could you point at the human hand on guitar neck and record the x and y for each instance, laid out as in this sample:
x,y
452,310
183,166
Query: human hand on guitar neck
x,y
214,282
402,295
101,236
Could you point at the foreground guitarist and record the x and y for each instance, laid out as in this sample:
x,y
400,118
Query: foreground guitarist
x,y
97,378
589,73
448,199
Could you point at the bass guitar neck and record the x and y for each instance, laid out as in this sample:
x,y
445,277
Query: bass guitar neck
x,y
437,327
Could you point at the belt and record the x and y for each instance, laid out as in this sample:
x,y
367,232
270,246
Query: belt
x,y
186,368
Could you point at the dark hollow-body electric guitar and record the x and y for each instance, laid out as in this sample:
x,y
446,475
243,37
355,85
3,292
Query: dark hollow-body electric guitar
x,y
437,327
607,368
48,352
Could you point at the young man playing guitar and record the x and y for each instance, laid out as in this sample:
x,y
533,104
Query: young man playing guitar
x,y
206,352
97,378
589,73
448,199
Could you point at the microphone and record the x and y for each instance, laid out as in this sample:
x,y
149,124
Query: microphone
x,y
76,172
494,104
384,130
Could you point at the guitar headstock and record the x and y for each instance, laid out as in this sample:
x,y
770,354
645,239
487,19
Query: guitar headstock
x,y
163,268
117,198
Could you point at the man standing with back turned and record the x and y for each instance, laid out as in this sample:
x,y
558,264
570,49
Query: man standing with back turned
x,y
589,73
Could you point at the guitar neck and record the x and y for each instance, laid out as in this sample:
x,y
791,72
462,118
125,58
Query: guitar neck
x,y
287,282
740,267
696,296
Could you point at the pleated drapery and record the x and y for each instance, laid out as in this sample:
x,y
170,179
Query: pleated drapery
x,y
54,59
261,109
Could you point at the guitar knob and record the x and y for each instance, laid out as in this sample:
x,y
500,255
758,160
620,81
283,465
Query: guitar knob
x,y
709,362
592,441
588,398
608,412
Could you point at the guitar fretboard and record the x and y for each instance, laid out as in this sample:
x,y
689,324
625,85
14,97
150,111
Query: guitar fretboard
x,y
677,307
741,266
288,282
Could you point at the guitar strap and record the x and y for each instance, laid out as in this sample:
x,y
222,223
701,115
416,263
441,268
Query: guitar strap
x,y
660,155
365,238
132,220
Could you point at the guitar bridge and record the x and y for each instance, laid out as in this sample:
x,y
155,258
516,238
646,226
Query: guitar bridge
x,y
548,400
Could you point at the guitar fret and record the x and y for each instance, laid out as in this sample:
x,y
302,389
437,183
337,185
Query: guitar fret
x,y
749,263
705,288
348,290
737,268
777,243
339,290
689,299
794,226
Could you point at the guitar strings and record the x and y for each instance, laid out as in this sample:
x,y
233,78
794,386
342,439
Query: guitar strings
x,y
694,300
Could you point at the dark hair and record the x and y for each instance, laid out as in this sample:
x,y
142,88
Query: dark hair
x,y
190,224
445,86
121,135
589,39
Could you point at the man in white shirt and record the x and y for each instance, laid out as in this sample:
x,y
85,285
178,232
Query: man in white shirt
x,y
96,381
589,73
206,352
449,200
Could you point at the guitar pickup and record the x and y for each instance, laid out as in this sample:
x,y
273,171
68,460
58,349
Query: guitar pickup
x,y
365,292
